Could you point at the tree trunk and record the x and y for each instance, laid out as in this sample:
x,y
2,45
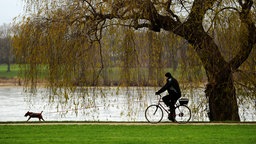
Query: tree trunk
x,y
8,66
220,89
222,97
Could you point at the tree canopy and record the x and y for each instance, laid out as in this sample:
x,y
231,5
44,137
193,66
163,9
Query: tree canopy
x,y
72,39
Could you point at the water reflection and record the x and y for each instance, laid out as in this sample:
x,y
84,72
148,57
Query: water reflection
x,y
100,104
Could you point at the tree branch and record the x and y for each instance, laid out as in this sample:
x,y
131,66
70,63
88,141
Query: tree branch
x,y
198,11
142,14
170,11
248,37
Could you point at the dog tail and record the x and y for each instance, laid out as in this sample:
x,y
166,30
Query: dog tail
x,y
41,111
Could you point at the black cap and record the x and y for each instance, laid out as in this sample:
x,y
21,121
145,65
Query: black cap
x,y
168,75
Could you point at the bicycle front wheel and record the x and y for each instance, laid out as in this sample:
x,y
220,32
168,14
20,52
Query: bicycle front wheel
x,y
183,114
154,114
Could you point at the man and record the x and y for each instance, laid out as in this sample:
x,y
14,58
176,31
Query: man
x,y
173,88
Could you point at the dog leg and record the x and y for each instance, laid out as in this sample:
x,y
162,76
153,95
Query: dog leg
x,y
29,118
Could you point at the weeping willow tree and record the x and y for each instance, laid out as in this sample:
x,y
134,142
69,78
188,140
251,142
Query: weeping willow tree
x,y
245,75
63,37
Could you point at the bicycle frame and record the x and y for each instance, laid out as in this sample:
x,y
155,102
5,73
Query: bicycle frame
x,y
161,101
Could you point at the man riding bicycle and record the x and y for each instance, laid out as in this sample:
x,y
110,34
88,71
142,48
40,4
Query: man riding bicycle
x,y
173,88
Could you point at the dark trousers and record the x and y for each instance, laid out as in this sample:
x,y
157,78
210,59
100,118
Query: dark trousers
x,y
170,100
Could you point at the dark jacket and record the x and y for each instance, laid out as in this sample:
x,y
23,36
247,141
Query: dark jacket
x,y
172,86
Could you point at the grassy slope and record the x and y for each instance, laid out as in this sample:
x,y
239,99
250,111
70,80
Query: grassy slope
x,y
128,134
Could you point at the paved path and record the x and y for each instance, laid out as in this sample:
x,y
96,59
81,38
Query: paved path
x,y
125,123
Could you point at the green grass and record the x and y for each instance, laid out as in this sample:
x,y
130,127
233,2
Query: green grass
x,y
12,74
127,134
113,75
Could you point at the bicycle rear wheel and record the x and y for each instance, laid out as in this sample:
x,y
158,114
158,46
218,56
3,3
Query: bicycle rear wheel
x,y
183,114
154,114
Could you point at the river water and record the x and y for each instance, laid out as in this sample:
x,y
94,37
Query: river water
x,y
100,104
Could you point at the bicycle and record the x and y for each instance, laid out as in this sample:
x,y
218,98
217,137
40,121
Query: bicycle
x,y
154,113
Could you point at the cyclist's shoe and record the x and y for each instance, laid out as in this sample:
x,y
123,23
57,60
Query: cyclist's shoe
x,y
171,118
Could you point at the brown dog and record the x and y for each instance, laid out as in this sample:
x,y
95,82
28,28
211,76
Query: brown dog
x,y
34,115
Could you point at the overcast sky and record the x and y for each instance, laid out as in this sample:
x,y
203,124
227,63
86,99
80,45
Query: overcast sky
x,y
9,9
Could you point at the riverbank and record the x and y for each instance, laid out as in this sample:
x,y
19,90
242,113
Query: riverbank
x,y
10,82
16,82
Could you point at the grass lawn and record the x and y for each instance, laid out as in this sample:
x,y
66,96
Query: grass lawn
x,y
127,134
113,74
13,73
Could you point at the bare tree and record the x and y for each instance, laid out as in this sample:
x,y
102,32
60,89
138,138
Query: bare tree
x,y
5,46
